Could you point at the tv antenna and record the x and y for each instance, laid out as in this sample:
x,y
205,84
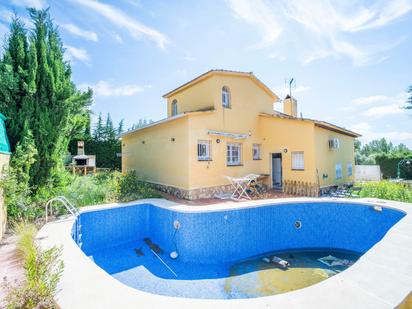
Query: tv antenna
x,y
290,83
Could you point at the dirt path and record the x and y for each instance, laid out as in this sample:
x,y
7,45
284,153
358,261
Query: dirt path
x,y
10,263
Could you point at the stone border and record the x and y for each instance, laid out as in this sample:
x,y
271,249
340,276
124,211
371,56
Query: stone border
x,y
381,278
193,194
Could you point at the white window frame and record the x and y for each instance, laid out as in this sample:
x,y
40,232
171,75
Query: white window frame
x,y
231,159
207,154
338,171
225,97
298,160
349,168
174,107
256,151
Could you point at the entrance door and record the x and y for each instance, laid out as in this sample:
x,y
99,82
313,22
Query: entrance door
x,y
277,170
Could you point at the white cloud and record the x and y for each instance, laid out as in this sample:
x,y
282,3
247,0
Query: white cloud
x,y
73,53
7,17
368,133
122,20
371,99
105,89
37,4
85,34
383,111
258,13
324,28
383,13
283,91
383,105
118,38
277,56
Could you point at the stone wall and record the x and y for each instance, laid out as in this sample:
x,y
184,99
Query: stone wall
x,y
194,194
4,162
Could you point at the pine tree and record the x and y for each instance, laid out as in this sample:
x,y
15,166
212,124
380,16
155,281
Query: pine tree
x,y
98,130
110,133
120,127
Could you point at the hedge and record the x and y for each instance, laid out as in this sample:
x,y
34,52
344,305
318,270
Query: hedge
x,y
389,165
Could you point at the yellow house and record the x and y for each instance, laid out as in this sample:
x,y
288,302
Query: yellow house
x,y
223,123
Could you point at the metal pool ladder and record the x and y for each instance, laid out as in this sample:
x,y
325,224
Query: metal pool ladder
x,y
77,235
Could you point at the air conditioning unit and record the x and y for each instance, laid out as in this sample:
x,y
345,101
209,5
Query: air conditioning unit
x,y
334,143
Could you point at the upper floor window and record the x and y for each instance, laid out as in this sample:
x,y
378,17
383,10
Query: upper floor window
x,y
256,152
203,151
298,161
225,97
174,108
233,154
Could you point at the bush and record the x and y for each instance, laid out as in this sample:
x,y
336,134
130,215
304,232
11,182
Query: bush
x,y
387,190
43,269
16,182
389,165
91,190
131,187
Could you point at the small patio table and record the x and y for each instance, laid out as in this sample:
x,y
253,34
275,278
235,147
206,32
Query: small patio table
x,y
241,185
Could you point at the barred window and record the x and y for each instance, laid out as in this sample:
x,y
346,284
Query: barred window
x,y
203,151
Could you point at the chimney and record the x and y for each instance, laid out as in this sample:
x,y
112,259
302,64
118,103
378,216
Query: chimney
x,y
290,106
80,148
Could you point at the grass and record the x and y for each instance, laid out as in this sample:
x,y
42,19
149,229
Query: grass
x,y
42,272
386,190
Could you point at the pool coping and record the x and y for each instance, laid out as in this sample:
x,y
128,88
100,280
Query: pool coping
x,y
381,278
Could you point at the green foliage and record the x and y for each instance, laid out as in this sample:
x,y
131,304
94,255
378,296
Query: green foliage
x,y
131,187
16,183
91,190
36,90
103,143
368,154
409,101
389,165
387,190
141,124
43,269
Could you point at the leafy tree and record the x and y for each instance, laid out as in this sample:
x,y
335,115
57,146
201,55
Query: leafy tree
x,y
36,88
409,100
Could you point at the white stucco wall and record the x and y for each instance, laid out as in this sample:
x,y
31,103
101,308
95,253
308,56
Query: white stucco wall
x,y
367,173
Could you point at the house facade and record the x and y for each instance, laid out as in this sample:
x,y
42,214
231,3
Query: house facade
x,y
223,123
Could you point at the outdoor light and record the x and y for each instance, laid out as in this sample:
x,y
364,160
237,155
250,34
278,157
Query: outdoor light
x,y
250,133
218,140
285,150
400,163
172,139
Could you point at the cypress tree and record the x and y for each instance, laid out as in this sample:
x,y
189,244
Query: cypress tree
x,y
36,88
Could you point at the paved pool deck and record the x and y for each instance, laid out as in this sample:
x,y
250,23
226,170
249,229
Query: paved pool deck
x,y
381,278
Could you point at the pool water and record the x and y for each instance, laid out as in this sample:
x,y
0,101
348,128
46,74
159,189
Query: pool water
x,y
248,278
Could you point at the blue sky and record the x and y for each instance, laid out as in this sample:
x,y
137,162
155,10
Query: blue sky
x,y
351,59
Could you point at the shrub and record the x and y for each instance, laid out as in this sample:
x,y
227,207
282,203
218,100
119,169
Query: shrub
x,y
389,165
131,187
387,190
16,183
43,269
91,190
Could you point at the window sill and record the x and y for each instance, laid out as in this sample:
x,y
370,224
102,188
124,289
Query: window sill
x,y
298,170
257,159
230,165
204,160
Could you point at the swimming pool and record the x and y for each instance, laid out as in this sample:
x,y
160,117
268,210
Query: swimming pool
x,y
220,252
